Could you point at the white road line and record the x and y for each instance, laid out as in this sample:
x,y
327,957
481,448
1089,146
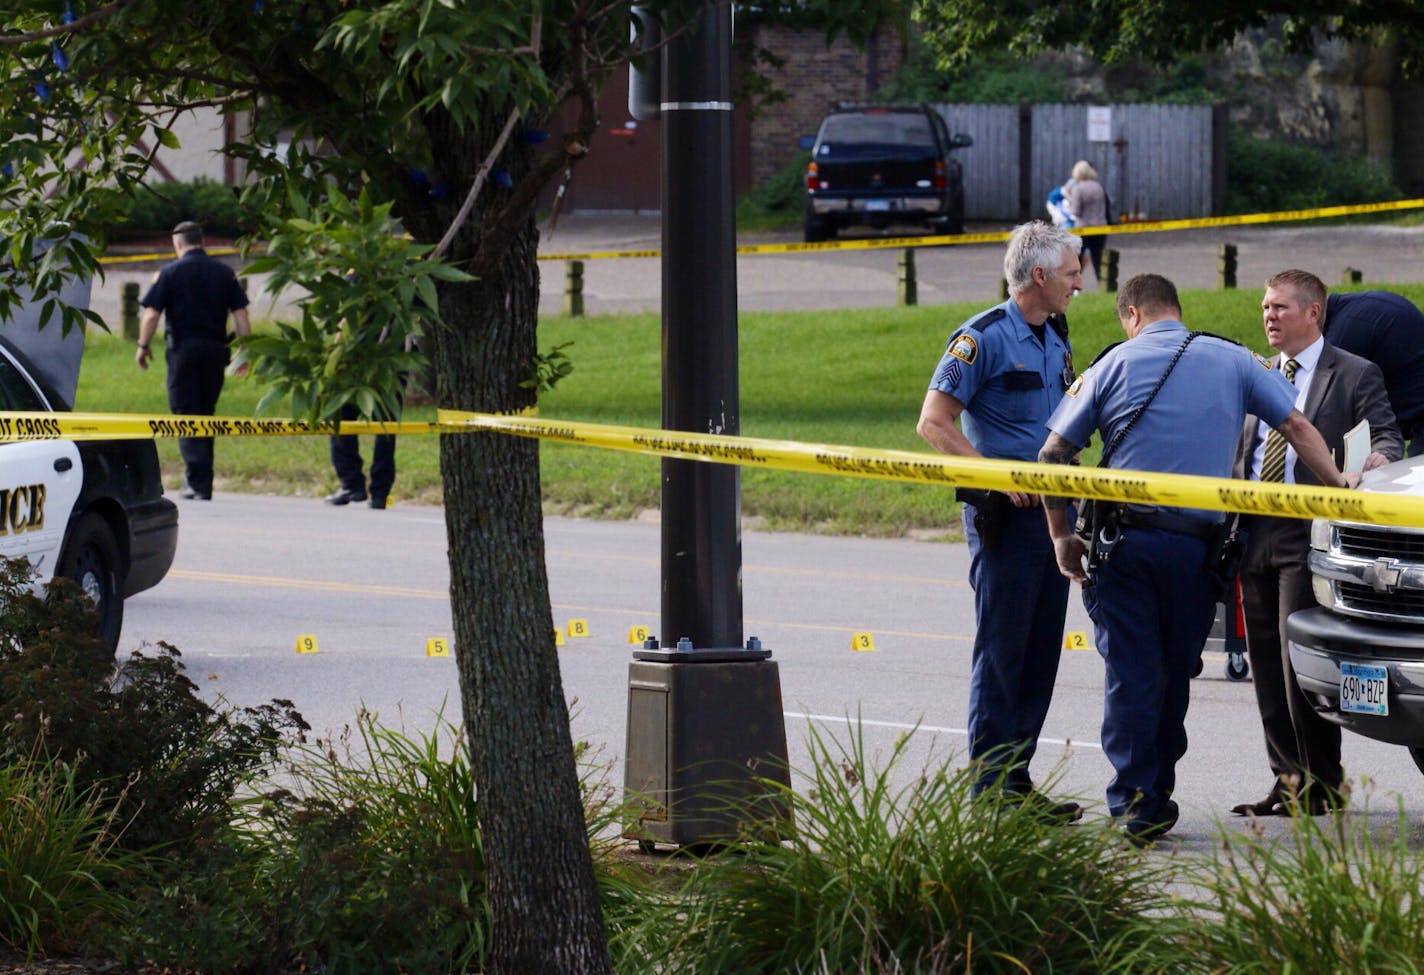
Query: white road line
x,y
937,729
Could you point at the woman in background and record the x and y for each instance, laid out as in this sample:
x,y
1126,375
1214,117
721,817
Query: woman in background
x,y
1087,203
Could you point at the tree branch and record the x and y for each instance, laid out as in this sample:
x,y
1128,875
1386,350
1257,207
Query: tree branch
x,y
73,27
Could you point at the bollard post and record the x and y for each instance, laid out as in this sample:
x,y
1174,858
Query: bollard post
x,y
1003,289
573,289
1226,267
1110,270
906,289
128,309
1352,275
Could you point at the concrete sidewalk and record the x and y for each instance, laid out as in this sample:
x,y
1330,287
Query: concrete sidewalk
x,y
867,278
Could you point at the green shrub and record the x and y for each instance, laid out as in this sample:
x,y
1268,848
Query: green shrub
x,y
153,210
777,201
59,858
1336,894
140,734
1267,176
919,878
988,79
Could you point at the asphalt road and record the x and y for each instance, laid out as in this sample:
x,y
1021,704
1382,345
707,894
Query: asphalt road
x,y
254,574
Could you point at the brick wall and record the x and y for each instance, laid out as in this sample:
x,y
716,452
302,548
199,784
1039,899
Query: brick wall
x,y
813,76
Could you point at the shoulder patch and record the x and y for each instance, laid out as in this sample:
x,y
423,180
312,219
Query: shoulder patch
x,y
1074,387
1263,362
156,275
988,318
964,348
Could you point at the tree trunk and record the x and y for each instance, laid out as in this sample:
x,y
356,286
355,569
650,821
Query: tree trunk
x,y
543,898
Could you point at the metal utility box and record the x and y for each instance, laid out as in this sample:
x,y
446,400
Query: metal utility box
x,y
704,729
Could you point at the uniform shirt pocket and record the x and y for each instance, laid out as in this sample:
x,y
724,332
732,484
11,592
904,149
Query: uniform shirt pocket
x,y
1025,389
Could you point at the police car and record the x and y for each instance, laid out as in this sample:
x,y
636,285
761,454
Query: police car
x,y
94,511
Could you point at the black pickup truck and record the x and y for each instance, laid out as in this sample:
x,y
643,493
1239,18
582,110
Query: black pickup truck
x,y
877,165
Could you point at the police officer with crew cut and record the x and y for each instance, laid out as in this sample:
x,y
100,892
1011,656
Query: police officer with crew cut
x,y
194,295
1174,402
998,381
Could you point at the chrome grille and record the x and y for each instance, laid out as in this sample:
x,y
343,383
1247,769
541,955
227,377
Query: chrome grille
x,y
1372,542
1363,599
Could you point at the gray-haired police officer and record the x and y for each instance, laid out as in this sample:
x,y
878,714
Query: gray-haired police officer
x,y
1003,372
1152,598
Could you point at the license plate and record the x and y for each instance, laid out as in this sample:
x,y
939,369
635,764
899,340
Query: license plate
x,y
1364,689
877,204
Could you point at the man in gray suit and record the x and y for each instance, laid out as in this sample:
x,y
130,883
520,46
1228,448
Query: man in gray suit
x,y
1336,391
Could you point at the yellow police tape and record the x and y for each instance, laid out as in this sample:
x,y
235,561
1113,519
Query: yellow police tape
x,y
945,240
1174,490
1135,227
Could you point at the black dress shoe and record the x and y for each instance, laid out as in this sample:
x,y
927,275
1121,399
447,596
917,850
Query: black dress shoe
x,y
1049,810
377,502
1276,803
189,494
345,496
1142,833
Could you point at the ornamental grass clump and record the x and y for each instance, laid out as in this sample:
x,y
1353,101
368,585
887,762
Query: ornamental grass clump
x,y
60,860
1336,893
876,876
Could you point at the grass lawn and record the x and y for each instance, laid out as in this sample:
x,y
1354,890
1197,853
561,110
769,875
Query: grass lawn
x,y
851,377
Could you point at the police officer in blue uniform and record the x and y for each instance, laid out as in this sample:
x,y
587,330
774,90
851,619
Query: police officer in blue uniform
x,y
194,294
1149,589
998,381
1387,329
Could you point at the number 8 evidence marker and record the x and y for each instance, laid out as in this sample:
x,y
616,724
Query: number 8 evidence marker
x,y
578,628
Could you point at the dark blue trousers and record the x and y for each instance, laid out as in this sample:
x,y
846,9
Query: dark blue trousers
x,y
346,459
1152,604
1020,599
195,381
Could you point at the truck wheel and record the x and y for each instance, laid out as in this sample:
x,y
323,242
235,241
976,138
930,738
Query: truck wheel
x,y
91,559
1237,669
1418,755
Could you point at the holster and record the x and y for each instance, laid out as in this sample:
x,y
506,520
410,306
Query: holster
x,y
1099,526
1225,550
990,510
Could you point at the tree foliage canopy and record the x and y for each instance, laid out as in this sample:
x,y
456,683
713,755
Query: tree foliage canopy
x,y
1116,30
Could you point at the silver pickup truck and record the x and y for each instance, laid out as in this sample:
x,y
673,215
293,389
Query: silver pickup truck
x,y
1359,656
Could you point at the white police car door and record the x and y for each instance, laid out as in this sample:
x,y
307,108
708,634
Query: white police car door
x,y
39,479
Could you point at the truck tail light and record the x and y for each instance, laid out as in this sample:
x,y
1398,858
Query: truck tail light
x,y
813,180
939,178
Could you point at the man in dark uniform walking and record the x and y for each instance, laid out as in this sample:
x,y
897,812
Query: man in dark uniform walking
x,y
194,295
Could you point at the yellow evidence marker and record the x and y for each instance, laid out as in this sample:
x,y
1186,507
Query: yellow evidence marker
x,y
1076,641
437,646
637,634
306,643
559,637
862,641
578,628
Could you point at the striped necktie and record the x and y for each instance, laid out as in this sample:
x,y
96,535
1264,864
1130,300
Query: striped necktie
x,y
1273,465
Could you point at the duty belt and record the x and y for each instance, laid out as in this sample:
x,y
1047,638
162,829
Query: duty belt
x,y
1167,521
